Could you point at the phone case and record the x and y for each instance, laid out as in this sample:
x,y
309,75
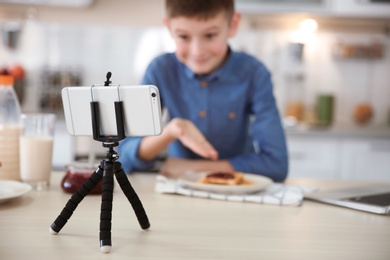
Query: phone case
x,y
141,105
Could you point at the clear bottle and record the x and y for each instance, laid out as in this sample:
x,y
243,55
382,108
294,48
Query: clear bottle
x,y
295,83
10,130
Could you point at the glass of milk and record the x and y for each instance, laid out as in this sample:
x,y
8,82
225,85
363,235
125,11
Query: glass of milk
x,y
36,149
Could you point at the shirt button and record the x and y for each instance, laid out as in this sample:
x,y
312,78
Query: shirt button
x,y
232,115
202,113
203,84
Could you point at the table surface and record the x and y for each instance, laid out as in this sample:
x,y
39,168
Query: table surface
x,y
190,228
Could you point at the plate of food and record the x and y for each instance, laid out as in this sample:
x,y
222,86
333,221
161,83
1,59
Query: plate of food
x,y
12,189
224,182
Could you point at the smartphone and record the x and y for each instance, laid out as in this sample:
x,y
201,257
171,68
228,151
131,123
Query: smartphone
x,y
141,109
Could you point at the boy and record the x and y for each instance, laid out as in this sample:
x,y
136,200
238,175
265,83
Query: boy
x,y
210,92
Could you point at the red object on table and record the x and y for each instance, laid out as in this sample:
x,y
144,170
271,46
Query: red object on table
x,y
76,176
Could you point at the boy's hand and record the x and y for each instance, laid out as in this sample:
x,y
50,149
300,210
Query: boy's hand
x,y
175,167
190,136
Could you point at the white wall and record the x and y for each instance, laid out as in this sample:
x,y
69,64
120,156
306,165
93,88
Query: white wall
x,y
123,35
351,80
102,12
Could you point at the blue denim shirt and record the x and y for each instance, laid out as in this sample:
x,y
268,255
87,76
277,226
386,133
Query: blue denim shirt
x,y
233,107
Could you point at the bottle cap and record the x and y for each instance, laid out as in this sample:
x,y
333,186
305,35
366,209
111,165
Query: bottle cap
x,y
6,80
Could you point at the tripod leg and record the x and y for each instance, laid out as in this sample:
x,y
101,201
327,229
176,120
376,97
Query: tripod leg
x,y
106,208
132,197
74,201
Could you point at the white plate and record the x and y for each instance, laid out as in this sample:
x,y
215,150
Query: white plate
x,y
189,179
12,189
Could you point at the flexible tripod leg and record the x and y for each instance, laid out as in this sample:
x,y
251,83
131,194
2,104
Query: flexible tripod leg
x,y
106,208
132,197
76,198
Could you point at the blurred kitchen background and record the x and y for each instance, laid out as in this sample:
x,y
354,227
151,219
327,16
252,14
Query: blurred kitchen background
x,y
330,61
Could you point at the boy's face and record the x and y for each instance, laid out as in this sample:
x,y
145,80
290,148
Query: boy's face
x,y
202,44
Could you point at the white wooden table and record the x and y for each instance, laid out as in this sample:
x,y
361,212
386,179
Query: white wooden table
x,y
190,228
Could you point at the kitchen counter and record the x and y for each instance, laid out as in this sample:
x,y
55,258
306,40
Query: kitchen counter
x,y
351,131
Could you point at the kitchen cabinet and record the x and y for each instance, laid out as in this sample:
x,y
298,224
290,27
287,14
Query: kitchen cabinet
x,y
333,8
58,3
367,159
68,148
313,157
360,8
283,6
338,157
63,146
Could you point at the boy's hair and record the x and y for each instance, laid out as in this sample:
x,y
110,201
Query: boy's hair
x,y
201,9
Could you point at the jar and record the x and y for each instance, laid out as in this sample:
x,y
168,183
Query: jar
x,y
76,175
325,108
294,107
10,130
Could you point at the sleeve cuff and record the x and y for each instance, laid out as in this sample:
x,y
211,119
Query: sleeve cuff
x,y
129,159
239,164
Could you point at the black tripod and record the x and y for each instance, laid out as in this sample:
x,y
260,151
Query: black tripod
x,y
106,171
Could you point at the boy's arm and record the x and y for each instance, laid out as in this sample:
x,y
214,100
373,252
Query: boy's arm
x,y
271,157
140,153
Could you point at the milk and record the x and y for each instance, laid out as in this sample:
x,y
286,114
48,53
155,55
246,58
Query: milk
x,y
9,152
36,158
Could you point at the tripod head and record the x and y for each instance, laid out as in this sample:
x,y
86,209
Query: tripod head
x,y
111,155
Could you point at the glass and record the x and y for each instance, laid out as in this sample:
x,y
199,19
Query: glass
x,y
36,149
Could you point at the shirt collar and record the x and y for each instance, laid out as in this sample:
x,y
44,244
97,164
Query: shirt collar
x,y
224,69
